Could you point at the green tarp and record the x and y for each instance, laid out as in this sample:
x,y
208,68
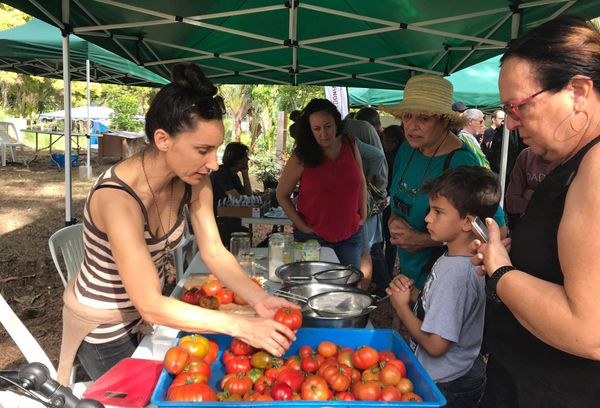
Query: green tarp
x,y
476,86
353,43
35,48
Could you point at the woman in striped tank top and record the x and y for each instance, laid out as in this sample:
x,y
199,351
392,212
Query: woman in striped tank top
x,y
134,217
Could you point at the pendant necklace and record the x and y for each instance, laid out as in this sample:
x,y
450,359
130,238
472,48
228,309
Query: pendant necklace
x,y
412,192
166,264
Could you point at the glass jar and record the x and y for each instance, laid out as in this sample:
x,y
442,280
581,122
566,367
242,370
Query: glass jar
x,y
281,249
311,250
247,263
239,244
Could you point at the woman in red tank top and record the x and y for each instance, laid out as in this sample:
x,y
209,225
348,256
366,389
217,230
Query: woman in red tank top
x,y
332,201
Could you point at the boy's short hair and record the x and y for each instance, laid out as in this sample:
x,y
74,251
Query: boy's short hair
x,y
472,190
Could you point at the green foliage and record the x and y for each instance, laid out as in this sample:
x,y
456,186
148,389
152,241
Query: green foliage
x,y
264,166
125,108
11,17
296,97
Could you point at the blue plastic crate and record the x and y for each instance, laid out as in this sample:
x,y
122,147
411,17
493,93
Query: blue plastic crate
x,y
58,160
378,339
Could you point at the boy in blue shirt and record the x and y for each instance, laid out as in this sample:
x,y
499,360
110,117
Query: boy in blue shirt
x,y
446,325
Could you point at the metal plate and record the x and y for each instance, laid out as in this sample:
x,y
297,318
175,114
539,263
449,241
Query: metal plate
x,y
302,272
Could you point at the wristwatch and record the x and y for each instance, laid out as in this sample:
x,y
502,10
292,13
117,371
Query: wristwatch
x,y
490,286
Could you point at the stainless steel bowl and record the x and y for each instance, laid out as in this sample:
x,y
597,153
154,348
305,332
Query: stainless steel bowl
x,y
304,272
311,319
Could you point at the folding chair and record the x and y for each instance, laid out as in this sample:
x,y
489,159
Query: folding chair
x,y
69,240
10,138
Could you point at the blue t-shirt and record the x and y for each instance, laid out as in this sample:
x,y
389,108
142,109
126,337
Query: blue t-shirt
x,y
411,170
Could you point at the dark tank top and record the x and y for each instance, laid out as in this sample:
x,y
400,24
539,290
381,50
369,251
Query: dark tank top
x,y
534,250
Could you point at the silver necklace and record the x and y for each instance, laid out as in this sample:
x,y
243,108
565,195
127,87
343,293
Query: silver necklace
x,y
166,263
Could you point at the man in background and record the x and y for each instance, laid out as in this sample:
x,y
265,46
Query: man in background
x,y
488,135
371,115
472,132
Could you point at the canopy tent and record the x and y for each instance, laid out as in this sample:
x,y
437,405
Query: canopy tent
x,y
81,113
476,85
35,48
351,43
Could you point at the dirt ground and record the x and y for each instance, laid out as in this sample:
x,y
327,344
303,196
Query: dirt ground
x,y
32,207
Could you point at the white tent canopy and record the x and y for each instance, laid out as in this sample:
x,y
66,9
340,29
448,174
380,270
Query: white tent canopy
x,y
81,113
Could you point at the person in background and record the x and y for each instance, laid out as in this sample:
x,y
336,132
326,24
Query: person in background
x,y
332,200
488,135
429,149
133,220
528,172
226,183
446,327
543,308
459,108
293,129
515,145
370,115
393,137
471,132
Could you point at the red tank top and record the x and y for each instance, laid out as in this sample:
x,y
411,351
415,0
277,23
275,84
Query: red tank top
x,y
329,196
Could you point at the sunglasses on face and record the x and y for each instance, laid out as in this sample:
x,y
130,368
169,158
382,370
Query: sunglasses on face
x,y
512,109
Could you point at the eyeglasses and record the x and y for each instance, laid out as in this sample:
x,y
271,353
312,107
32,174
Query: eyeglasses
x,y
512,109
215,102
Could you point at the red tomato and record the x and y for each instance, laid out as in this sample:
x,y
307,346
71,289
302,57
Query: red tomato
x,y
213,351
367,390
263,397
344,396
365,357
192,392
292,318
176,359
241,348
291,377
411,396
275,367
237,365
371,374
386,355
198,367
196,346
399,364
238,384
227,355
339,381
345,357
327,349
211,287
294,362
305,351
281,392
262,384
390,393
225,296
311,363
390,374
191,296
188,378
227,397
315,388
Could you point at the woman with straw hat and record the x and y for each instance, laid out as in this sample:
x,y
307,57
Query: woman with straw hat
x,y
430,148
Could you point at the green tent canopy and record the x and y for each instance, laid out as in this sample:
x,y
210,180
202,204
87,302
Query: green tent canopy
x,y
35,48
476,86
353,43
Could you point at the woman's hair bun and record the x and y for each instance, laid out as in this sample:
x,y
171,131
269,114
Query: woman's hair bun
x,y
191,76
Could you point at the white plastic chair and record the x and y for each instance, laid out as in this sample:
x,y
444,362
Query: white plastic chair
x,y
10,138
69,241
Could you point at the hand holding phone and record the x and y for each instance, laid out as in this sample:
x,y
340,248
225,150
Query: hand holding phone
x,y
480,229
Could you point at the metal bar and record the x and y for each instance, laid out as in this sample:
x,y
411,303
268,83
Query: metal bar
x,y
350,35
67,107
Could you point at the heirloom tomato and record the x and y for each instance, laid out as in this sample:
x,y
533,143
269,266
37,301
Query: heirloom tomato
x,y
260,359
339,381
290,317
238,384
195,345
344,396
211,287
213,351
411,396
198,367
390,393
176,359
241,348
399,364
225,296
238,364
191,296
194,392
367,390
294,362
315,388
188,378
327,349
262,384
365,357
291,377
405,385
281,392
305,351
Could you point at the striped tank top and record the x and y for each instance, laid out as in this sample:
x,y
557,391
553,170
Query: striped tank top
x,y
99,284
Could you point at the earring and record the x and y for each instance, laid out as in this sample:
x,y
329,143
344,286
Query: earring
x,y
587,121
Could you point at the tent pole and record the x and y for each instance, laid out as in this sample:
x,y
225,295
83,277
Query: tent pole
x,y
516,22
88,169
67,106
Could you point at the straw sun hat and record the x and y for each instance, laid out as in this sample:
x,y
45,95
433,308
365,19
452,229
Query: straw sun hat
x,y
429,95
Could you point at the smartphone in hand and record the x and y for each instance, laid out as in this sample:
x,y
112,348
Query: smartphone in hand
x,y
480,229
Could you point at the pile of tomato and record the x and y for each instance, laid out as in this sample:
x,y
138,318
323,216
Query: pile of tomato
x,y
213,292
329,372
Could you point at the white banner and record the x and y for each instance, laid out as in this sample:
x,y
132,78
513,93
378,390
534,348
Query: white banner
x,y
338,95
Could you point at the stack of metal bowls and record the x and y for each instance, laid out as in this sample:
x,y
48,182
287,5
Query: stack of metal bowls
x,y
299,278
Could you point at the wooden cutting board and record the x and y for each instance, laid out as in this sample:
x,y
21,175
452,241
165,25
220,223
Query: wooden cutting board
x,y
199,279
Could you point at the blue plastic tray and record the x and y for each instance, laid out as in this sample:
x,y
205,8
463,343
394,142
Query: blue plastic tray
x,y
378,339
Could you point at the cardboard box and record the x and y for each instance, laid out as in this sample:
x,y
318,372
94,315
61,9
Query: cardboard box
x,y
254,212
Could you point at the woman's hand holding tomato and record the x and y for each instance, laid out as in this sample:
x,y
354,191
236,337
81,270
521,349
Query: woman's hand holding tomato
x,y
267,334
291,317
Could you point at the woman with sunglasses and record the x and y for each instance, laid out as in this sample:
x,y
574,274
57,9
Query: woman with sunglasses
x,y
544,314
133,219
430,147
